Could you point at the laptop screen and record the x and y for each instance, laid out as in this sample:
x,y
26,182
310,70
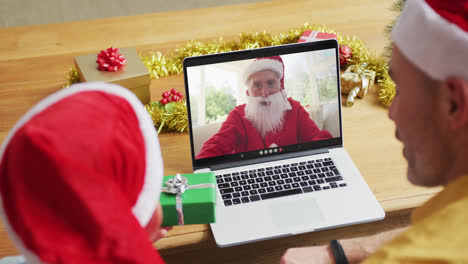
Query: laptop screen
x,y
263,102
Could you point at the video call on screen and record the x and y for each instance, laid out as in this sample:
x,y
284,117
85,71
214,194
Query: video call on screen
x,y
310,78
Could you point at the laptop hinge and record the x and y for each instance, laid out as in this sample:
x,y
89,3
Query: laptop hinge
x,y
267,159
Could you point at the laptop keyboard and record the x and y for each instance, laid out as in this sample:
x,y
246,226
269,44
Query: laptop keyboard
x,y
278,181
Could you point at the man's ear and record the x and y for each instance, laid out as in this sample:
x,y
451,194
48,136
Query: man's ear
x,y
456,94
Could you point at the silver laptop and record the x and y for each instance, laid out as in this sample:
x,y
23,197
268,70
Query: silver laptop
x,y
297,177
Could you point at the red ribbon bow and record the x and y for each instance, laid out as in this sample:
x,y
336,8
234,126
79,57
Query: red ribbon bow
x,y
110,60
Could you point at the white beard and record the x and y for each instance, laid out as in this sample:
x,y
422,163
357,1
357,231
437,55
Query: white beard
x,y
267,118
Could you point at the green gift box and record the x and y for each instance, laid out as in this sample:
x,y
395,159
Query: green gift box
x,y
191,197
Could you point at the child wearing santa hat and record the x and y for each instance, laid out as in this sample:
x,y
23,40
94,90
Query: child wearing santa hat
x,y
80,177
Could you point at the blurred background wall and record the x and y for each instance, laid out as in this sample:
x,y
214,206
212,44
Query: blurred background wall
x,y
32,12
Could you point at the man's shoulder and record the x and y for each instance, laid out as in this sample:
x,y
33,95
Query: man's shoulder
x,y
240,109
294,104
236,114
437,236
453,192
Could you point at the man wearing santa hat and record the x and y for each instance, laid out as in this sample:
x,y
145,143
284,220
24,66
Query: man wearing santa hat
x,y
80,178
268,119
429,66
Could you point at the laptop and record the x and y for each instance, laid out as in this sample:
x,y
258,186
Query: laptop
x,y
279,184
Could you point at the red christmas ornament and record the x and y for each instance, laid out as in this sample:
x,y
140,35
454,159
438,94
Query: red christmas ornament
x,y
171,96
110,60
345,54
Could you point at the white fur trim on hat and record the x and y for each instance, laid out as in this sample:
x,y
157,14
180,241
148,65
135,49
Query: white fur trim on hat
x,y
261,65
434,45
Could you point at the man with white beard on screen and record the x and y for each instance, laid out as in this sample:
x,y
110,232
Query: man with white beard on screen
x,y
269,118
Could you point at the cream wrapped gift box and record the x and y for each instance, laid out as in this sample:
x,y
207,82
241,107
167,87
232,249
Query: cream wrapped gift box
x,y
133,75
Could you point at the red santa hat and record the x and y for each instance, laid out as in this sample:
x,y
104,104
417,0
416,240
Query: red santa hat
x,y
433,35
273,63
80,177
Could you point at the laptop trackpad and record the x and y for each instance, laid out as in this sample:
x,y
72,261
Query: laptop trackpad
x,y
301,212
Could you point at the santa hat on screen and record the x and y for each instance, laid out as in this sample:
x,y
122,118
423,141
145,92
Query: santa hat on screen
x,y
433,35
273,63
80,177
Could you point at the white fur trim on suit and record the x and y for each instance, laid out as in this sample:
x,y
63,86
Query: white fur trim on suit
x,y
261,65
436,46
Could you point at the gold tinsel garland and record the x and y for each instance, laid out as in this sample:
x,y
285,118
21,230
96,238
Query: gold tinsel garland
x,y
72,76
173,116
169,117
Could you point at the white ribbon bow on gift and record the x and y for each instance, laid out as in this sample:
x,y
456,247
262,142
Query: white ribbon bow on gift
x,y
178,185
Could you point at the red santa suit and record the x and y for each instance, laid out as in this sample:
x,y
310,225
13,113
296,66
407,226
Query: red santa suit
x,y
237,134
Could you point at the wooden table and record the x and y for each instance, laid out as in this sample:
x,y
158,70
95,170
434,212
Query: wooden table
x,y
35,59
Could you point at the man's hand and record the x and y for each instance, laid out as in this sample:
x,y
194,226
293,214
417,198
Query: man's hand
x,y
306,255
161,233
356,249
353,248
153,228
